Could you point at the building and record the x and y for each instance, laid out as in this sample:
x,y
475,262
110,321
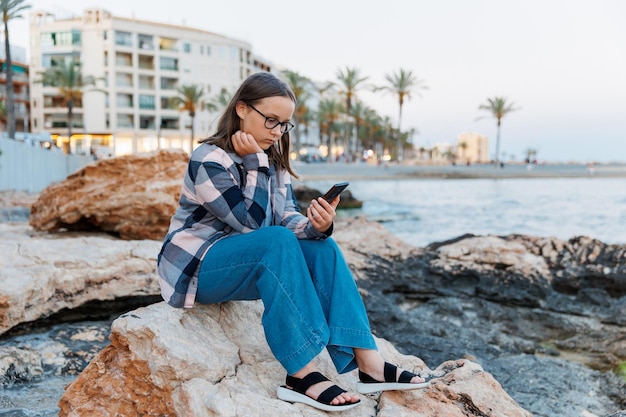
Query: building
x,y
21,94
139,66
472,148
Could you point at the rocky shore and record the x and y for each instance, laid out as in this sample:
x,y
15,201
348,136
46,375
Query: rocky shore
x,y
513,325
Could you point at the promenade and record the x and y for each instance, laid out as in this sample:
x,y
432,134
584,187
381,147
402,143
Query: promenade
x,y
358,170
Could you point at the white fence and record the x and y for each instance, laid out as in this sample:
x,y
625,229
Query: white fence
x,y
31,168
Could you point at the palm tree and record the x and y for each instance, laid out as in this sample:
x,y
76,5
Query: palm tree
x,y
350,80
301,87
11,9
463,147
219,102
68,78
402,84
3,111
328,113
321,89
359,112
188,99
498,107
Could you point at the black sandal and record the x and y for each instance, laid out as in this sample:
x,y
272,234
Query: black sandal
x,y
367,384
297,393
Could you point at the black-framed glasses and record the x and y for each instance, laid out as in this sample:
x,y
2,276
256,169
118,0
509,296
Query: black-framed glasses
x,y
272,122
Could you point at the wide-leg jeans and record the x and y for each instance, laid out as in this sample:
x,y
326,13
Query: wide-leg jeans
x,y
311,300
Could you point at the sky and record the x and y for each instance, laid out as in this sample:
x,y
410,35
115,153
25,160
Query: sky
x,y
561,62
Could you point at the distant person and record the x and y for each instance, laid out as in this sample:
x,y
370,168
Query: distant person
x,y
238,235
591,169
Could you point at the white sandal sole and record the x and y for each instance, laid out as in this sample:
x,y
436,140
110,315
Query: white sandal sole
x,y
291,396
364,388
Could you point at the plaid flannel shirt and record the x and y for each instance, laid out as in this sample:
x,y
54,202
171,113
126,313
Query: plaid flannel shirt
x,y
223,195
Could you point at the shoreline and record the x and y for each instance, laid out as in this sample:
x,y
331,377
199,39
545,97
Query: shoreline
x,y
363,171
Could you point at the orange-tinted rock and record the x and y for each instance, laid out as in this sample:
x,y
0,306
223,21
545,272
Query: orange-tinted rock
x,y
214,361
132,196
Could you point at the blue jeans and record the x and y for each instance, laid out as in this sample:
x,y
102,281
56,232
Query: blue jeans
x,y
310,297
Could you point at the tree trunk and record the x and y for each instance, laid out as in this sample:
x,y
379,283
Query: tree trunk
x,y
9,84
70,113
400,147
498,146
191,149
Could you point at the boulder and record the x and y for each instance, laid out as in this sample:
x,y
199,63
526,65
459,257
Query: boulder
x,y
214,361
305,194
44,273
132,196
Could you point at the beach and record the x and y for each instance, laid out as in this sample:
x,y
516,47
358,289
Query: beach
x,y
361,170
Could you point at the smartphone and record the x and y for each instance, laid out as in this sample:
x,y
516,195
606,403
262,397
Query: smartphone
x,y
334,191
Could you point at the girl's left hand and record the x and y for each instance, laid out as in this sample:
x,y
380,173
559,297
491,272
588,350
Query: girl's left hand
x,y
321,213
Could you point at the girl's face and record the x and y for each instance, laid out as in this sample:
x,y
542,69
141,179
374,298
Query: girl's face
x,y
275,112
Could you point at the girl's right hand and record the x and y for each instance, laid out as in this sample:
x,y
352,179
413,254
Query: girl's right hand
x,y
245,144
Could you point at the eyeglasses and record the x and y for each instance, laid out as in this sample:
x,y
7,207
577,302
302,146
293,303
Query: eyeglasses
x,y
271,122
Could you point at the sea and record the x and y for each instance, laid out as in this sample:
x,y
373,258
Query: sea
x,y
422,211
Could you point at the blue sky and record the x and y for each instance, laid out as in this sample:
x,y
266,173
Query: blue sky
x,y
562,62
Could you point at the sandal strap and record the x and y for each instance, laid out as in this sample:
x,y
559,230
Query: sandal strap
x,y
330,394
390,372
300,385
406,377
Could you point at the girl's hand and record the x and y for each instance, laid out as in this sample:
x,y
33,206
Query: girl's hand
x,y
321,213
245,144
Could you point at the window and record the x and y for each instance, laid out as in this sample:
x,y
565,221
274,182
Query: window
x,y
168,83
146,62
146,122
125,100
125,120
123,38
187,47
146,82
145,42
167,103
65,38
167,44
169,123
123,59
169,63
123,80
146,102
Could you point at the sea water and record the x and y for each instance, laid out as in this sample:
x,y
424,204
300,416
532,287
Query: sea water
x,y
423,211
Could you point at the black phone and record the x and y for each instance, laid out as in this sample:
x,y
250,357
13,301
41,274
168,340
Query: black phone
x,y
334,191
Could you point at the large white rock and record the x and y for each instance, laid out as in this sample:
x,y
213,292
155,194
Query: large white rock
x,y
214,361
43,273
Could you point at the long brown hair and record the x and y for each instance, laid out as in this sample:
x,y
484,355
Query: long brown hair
x,y
254,88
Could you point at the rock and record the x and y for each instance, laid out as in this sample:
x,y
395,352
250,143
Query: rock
x,y
305,194
535,348
214,361
42,273
468,301
132,196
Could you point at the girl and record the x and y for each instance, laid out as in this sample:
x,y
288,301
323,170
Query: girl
x,y
238,235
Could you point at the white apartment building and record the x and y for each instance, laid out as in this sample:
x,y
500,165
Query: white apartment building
x,y
472,148
139,66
